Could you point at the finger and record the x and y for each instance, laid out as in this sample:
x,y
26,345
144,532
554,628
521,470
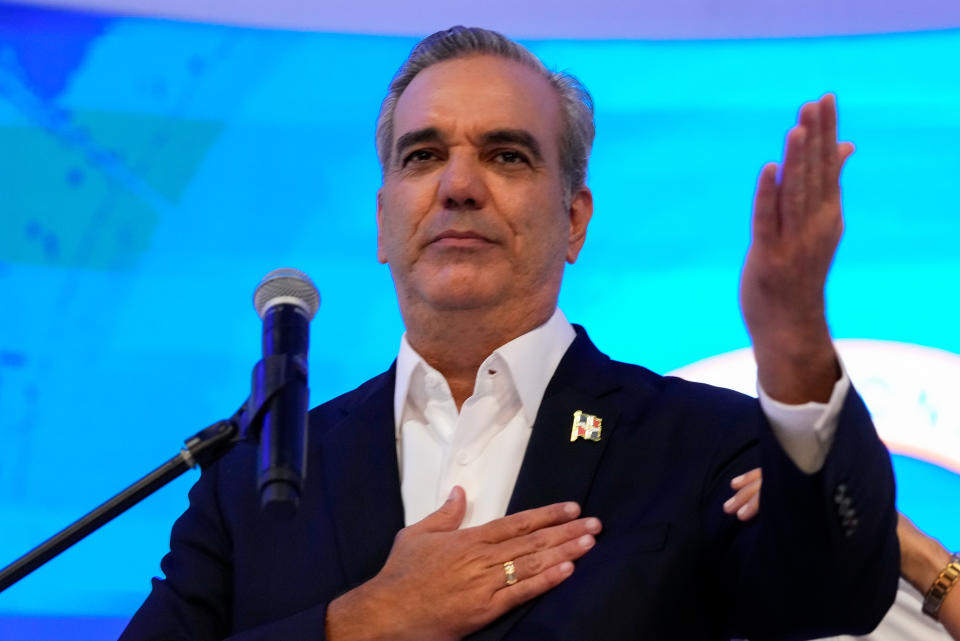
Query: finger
x,y
522,591
525,522
793,174
832,190
738,482
751,508
734,503
810,118
743,496
447,517
529,566
832,155
844,151
545,539
766,223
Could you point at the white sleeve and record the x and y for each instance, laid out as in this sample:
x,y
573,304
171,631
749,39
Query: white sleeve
x,y
805,432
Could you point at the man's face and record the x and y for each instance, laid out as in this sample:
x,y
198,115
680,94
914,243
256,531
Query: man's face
x,y
471,213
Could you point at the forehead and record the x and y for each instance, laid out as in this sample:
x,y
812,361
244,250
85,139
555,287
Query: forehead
x,y
477,94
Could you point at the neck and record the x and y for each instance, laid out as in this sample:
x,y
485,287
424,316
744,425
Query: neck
x,y
456,342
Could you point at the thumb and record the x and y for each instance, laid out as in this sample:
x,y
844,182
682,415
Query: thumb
x,y
448,516
845,149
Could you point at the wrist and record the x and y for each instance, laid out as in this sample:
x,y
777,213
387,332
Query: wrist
x,y
361,614
797,369
922,564
943,586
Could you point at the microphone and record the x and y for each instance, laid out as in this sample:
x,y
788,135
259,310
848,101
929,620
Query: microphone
x,y
286,300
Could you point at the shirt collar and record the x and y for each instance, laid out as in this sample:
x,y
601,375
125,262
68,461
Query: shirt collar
x,y
531,358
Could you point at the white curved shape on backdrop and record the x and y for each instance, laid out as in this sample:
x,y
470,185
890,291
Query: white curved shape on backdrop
x,y
912,391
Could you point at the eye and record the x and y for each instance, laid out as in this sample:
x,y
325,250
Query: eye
x,y
418,156
510,157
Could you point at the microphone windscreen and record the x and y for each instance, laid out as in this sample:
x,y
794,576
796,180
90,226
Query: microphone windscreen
x,y
286,286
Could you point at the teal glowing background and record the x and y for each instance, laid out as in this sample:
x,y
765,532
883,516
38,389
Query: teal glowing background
x,y
151,172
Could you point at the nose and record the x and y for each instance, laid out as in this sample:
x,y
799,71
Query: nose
x,y
462,185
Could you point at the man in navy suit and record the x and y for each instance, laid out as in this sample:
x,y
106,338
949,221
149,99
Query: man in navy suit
x,y
504,479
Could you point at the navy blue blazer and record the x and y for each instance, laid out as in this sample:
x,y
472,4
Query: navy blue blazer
x,y
822,556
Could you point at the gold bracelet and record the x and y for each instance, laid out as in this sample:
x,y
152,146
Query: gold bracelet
x,y
947,578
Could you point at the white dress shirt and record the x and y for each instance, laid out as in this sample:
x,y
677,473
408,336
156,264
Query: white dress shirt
x,y
481,447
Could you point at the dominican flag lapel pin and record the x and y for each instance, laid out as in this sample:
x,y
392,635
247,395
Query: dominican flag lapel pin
x,y
585,426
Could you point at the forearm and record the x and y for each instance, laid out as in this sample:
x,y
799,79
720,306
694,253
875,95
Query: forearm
x,y
920,563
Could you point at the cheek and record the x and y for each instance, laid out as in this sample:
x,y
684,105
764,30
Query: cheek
x,y
539,223
393,236
403,219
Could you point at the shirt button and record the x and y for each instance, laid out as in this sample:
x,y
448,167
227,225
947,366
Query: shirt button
x,y
463,457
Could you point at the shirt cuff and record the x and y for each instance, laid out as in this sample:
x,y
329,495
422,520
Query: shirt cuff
x,y
805,432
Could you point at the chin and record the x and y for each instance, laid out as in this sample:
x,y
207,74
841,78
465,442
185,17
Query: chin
x,y
461,299
465,289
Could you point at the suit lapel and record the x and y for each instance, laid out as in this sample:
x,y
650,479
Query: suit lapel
x,y
554,468
362,481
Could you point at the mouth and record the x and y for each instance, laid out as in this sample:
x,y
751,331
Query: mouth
x,y
451,239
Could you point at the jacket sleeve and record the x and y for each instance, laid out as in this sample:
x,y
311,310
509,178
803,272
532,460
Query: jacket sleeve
x,y
822,556
195,600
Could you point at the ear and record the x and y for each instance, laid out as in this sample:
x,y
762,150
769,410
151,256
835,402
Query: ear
x,y
581,210
381,254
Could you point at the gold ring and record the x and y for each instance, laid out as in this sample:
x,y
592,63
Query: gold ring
x,y
511,572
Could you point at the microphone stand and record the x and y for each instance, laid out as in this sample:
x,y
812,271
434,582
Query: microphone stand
x,y
270,375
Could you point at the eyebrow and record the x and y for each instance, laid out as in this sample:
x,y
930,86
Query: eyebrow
x,y
520,137
411,138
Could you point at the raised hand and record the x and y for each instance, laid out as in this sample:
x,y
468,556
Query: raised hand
x,y
797,224
440,583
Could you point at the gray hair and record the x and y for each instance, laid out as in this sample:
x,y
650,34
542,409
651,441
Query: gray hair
x,y
577,128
